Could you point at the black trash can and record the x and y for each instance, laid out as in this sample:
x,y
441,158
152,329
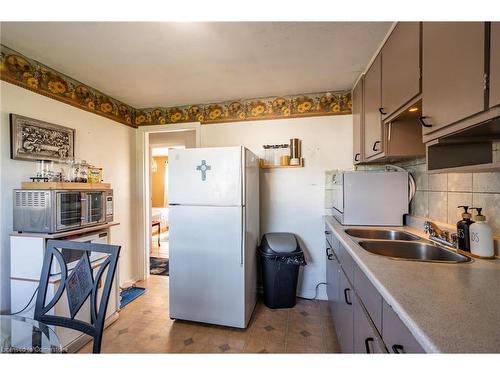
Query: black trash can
x,y
281,258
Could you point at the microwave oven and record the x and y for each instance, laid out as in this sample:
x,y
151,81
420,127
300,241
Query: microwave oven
x,y
54,211
377,198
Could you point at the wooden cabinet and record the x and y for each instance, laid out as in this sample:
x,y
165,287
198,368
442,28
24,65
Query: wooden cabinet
x,y
364,322
396,336
452,72
400,67
495,64
366,337
372,117
344,315
332,279
358,119
372,300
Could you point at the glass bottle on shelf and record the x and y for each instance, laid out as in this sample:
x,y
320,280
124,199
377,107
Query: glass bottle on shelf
x,y
276,155
266,154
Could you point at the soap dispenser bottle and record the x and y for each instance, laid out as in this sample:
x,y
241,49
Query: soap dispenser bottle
x,y
463,237
481,236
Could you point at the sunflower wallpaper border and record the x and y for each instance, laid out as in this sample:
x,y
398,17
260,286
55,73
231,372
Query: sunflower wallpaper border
x,y
37,77
33,75
276,107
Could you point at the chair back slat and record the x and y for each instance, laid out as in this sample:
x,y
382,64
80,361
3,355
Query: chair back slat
x,y
97,313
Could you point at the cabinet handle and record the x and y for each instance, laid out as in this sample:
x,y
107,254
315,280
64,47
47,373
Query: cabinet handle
x,y
381,110
357,156
398,349
328,254
345,296
375,145
327,233
367,344
422,122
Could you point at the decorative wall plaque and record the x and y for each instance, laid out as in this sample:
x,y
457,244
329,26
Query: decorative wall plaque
x,y
33,139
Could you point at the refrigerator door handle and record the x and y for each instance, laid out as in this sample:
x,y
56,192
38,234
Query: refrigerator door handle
x,y
242,235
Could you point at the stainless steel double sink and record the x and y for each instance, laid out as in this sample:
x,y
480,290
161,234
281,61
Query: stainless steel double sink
x,y
402,245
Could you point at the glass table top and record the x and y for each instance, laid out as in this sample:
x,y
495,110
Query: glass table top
x,y
23,335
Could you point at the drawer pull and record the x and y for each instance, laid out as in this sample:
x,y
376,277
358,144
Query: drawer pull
x,y
327,233
398,349
346,290
329,254
368,340
423,123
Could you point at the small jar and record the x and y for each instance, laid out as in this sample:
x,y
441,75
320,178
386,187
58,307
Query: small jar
x,y
276,154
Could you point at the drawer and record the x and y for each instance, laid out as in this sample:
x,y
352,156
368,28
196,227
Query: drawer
x,y
367,340
346,261
329,234
370,297
397,337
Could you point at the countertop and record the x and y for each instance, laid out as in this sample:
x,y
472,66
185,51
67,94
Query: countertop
x,y
449,308
64,234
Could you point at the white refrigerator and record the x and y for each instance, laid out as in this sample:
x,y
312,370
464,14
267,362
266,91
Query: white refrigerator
x,y
213,196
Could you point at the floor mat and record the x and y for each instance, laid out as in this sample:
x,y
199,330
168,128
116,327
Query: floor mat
x,y
158,266
130,294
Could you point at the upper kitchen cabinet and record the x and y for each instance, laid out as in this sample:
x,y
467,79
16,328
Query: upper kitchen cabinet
x,y
372,117
357,116
400,67
495,64
453,72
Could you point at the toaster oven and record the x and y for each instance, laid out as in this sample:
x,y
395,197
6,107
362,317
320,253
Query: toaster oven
x,y
53,211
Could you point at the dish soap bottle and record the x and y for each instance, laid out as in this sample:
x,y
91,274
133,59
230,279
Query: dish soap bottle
x,y
463,225
481,237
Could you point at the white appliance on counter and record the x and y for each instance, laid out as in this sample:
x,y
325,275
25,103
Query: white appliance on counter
x,y
370,197
214,232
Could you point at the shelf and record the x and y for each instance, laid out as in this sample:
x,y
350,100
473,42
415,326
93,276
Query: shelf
x,y
65,185
264,166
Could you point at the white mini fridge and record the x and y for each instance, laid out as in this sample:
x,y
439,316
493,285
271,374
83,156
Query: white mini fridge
x,y
213,198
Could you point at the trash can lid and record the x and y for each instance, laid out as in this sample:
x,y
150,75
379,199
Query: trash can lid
x,y
279,243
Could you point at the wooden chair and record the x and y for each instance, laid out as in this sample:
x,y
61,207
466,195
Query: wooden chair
x,y
79,285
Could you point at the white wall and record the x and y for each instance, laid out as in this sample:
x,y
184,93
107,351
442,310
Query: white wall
x,y
98,140
292,200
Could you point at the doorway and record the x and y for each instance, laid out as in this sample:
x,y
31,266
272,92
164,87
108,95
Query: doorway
x,y
157,146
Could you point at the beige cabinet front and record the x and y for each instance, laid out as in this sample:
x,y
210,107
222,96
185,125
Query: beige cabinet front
x,y
372,101
495,65
357,116
452,72
400,67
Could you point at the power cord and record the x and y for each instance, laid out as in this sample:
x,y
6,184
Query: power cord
x,y
315,293
29,303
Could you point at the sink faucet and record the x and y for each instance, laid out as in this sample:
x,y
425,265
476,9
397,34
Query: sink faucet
x,y
441,236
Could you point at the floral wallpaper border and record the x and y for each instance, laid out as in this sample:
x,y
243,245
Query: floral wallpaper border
x,y
276,107
32,75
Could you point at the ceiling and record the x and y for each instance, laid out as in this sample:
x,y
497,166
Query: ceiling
x,y
150,64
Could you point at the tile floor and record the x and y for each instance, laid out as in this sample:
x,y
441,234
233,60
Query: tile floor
x,y
145,327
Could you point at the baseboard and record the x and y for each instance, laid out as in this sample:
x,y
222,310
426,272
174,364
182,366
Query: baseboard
x,y
128,283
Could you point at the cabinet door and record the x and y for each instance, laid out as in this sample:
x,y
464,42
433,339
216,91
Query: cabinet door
x,y
366,338
372,103
397,337
344,315
452,72
357,118
400,67
332,276
495,64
